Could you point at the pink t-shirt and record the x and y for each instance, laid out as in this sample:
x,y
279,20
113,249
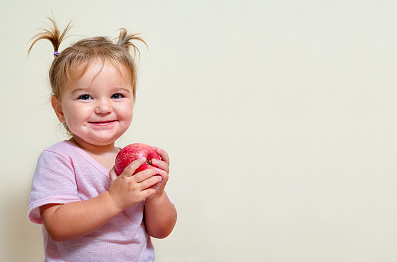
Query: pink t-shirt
x,y
65,173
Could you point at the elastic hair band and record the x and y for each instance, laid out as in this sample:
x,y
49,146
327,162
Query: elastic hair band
x,y
56,53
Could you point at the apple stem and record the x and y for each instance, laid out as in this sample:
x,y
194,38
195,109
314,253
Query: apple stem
x,y
149,162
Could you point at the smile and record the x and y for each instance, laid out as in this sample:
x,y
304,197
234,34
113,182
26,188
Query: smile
x,y
102,123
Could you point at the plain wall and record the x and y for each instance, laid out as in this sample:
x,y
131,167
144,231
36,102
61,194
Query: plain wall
x,y
279,118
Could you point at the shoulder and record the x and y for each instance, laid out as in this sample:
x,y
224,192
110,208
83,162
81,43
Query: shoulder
x,y
62,148
59,153
54,179
54,155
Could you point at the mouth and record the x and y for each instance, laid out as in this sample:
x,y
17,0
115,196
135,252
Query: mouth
x,y
102,123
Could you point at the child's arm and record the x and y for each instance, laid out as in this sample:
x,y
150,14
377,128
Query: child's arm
x,y
76,219
160,216
72,220
160,213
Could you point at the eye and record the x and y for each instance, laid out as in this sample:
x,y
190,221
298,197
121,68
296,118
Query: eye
x,y
85,97
117,96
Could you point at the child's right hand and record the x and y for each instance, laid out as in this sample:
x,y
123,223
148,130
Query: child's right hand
x,y
128,190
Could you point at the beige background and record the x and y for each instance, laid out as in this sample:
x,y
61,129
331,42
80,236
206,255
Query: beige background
x,y
279,117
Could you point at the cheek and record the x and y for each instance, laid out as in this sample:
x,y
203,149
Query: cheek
x,y
125,109
75,114
128,116
126,113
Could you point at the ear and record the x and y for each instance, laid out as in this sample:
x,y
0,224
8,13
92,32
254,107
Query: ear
x,y
56,104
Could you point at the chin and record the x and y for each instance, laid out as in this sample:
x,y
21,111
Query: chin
x,y
104,142
99,141
99,138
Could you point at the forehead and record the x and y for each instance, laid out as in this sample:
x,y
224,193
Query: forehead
x,y
94,67
98,73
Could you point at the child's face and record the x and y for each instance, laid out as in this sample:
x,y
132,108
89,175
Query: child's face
x,y
97,107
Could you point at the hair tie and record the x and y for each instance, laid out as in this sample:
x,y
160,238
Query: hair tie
x,y
56,53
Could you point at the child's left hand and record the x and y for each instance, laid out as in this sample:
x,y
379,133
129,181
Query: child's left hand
x,y
163,168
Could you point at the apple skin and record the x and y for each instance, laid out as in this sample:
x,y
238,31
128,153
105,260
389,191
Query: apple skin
x,y
132,152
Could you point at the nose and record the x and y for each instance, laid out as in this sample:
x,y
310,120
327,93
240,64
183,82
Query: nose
x,y
104,106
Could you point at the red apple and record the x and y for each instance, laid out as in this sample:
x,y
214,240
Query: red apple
x,y
132,152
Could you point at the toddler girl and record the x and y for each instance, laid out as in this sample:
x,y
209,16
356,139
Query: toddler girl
x,y
87,211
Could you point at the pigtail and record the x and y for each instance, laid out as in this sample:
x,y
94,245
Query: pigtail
x,y
125,41
53,35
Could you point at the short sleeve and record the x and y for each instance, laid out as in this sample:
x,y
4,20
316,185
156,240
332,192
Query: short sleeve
x,y
53,182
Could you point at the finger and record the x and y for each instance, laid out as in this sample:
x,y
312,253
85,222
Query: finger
x,y
112,174
148,192
161,164
163,174
145,174
150,182
131,168
163,154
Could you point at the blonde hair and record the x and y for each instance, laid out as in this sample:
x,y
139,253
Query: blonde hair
x,y
85,50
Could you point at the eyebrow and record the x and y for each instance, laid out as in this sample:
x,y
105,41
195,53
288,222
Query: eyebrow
x,y
80,90
128,89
